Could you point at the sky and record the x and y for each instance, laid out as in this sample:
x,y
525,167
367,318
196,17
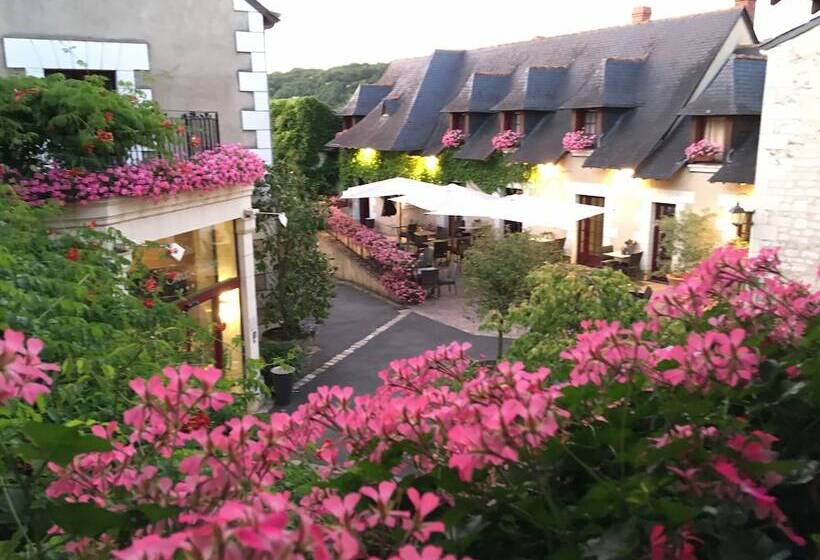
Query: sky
x,y
325,33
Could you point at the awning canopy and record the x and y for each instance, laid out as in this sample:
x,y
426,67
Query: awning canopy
x,y
395,186
529,210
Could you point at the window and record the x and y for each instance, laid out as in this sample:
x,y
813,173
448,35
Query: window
x,y
109,75
458,121
350,122
590,121
717,130
512,120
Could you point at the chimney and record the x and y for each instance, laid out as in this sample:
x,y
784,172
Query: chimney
x,y
749,5
641,14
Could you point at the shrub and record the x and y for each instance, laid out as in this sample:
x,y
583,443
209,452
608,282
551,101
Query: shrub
x,y
75,123
98,321
688,238
494,269
301,282
660,445
562,297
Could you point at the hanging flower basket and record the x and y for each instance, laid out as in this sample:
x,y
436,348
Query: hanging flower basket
x,y
578,140
507,141
703,151
453,138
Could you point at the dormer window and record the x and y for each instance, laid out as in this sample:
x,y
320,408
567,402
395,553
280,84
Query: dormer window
x,y
460,121
512,120
350,122
715,130
588,120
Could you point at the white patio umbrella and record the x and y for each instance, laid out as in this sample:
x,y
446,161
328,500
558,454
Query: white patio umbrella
x,y
395,186
448,199
532,210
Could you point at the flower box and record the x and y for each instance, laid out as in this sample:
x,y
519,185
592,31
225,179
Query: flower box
x,y
581,153
579,142
453,138
507,141
703,151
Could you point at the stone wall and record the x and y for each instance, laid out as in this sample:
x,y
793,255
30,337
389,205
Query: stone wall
x,y
788,163
348,267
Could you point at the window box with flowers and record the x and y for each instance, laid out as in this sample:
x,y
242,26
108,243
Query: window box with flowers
x,y
507,141
453,138
703,151
579,142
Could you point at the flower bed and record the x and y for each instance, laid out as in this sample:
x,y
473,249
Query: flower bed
x,y
506,140
220,167
702,151
578,140
453,138
395,266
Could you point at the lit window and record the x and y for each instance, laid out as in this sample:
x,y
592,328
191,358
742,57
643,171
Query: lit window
x,y
512,120
717,130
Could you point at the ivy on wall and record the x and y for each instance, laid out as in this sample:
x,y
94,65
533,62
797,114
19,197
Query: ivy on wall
x,y
367,166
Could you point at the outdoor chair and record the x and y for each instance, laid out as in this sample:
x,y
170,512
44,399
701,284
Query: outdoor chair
x,y
442,233
440,250
428,280
427,257
449,279
632,267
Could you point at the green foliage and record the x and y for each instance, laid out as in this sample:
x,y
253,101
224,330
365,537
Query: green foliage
x,y
333,86
491,175
689,238
300,274
301,128
494,269
68,291
561,297
77,123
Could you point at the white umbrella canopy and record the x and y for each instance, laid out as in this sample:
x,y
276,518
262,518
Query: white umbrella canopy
x,y
532,210
444,200
388,187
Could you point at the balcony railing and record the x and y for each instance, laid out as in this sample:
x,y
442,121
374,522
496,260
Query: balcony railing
x,y
197,131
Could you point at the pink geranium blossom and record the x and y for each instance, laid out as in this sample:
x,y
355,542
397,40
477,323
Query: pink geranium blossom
x,y
453,138
578,140
506,140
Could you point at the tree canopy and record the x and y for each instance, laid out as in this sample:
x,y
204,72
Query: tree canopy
x,y
333,86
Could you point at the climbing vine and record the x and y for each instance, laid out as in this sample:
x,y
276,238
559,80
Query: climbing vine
x,y
366,167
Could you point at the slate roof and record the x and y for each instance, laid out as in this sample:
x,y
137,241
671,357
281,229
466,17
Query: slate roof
x,y
654,69
364,100
736,90
613,84
534,90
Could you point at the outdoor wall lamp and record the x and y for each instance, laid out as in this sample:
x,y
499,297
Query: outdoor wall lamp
x,y
251,212
742,220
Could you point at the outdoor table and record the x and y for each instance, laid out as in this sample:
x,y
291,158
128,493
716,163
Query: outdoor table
x,y
618,256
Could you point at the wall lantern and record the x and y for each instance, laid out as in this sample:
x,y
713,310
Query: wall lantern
x,y
742,220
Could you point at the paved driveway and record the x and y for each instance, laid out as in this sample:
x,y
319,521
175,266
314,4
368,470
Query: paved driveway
x,y
364,333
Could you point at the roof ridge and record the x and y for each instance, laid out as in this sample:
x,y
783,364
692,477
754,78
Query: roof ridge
x,y
542,38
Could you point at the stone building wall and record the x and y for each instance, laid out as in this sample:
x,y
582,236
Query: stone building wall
x,y
788,163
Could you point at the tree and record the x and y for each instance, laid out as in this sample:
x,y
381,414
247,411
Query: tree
x,y
300,276
301,128
494,270
76,123
561,297
688,238
100,318
333,86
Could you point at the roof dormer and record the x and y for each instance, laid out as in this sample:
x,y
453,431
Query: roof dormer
x,y
480,94
365,99
535,89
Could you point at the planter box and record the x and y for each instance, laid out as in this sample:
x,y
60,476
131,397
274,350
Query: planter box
x,y
581,153
143,219
704,167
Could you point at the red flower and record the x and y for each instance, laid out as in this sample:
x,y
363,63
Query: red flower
x,y
196,142
73,254
108,116
148,303
150,284
104,136
196,421
92,224
167,123
180,130
76,172
220,327
171,275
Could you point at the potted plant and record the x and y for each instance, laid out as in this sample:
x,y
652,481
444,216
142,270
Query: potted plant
x,y
578,141
687,239
453,138
507,141
703,151
280,372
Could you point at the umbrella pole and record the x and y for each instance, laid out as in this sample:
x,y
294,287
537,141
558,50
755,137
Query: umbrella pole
x,y
398,231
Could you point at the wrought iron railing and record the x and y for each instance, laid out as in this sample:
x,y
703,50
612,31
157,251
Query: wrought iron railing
x,y
196,131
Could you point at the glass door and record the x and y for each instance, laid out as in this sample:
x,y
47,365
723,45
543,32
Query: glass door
x,y
590,233
661,259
